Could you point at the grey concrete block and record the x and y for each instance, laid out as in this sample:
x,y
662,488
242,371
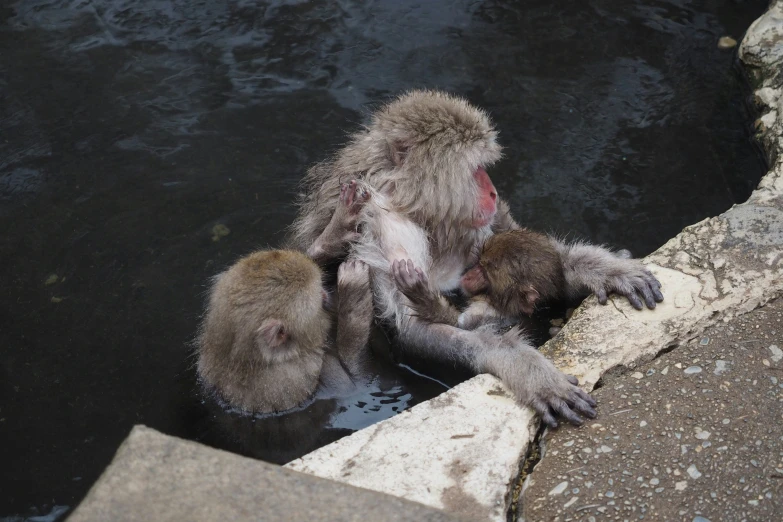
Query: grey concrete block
x,y
155,477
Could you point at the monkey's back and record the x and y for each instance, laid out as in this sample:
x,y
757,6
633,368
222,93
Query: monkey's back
x,y
232,361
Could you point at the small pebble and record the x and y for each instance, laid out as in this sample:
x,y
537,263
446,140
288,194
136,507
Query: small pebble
x,y
52,279
609,494
637,375
680,486
643,424
568,444
726,42
702,434
678,365
693,472
690,370
700,519
654,481
704,341
665,371
56,299
777,353
753,502
570,502
605,449
559,488
650,372
720,367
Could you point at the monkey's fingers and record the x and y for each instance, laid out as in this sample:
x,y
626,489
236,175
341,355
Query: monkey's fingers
x,y
544,412
581,406
401,276
562,408
350,192
601,295
647,294
630,294
585,397
343,189
573,380
655,286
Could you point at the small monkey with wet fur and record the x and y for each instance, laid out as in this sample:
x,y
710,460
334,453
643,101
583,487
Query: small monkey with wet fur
x,y
424,157
264,342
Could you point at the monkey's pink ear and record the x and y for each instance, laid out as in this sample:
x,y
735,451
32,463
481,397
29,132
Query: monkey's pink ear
x,y
529,297
272,332
397,152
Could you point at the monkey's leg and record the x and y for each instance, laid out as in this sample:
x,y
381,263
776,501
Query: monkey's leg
x,y
598,270
427,304
354,314
532,378
342,228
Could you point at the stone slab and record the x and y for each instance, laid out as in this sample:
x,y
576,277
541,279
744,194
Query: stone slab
x,y
459,452
155,477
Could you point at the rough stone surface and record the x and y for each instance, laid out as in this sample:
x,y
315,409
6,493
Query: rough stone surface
x,y
676,445
459,452
157,477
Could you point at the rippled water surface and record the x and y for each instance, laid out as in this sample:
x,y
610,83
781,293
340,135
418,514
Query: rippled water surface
x,y
129,130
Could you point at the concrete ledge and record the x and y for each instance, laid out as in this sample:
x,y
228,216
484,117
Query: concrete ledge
x,y
714,270
459,451
154,477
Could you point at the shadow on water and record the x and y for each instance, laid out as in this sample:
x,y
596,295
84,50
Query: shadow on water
x,y
129,130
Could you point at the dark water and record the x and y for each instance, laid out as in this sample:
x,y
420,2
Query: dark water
x,y
129,129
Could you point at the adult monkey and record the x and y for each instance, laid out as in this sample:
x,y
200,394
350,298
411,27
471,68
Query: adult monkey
x,y
424,156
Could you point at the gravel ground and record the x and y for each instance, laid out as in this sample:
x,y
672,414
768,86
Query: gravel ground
x,y
695,435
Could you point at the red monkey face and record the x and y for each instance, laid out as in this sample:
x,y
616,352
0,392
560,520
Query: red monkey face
x,y
487,199
474,281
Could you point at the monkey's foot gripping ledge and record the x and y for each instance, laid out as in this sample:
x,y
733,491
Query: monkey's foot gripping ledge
x,y
461,451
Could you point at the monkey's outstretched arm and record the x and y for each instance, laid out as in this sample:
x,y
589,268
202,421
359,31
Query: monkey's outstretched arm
x,y
333,242
354,315
428,305
591,268
530,376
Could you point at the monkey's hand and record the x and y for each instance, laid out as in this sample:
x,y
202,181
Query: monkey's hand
x,y
353,284
428,305
536,383
633,280
602,272
410,280
343,227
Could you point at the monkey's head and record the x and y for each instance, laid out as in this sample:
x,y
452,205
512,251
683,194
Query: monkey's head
x,y
429,155
516,270
278,304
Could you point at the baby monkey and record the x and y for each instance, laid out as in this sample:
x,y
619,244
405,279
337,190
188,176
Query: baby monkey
x,y
264,344
516,270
